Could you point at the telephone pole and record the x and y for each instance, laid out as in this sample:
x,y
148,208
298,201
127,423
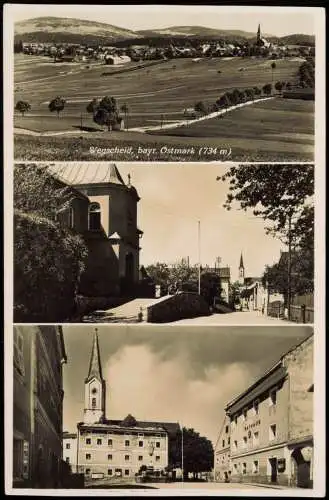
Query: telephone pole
x,y
199,258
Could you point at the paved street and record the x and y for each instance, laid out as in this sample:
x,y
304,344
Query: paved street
x,y
186,486
235,318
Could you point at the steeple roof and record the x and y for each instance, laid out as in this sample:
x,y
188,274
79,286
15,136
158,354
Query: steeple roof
x,y
241,262
95,367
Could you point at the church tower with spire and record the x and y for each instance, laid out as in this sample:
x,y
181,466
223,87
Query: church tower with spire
x,y
241,271
95,389
259,38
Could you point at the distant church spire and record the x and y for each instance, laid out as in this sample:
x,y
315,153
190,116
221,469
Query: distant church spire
x,y
258,34
95,388
241,270
95,366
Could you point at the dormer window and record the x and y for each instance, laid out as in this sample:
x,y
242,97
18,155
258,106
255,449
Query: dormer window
x,y
94,217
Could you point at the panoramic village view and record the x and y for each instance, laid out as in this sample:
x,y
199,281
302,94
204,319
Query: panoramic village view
x,y
86,90
175,424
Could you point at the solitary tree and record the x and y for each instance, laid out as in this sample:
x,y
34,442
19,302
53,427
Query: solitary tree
x,y
200,107
278,86
92,106
273,66
267,89
106,113
57,105
23,107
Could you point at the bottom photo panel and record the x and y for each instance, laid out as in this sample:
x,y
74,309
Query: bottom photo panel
x,y
158,407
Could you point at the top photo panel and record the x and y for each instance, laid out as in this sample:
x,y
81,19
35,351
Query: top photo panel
x,y
127,83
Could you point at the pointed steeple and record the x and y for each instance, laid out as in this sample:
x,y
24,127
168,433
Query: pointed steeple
x,y
241,266
258,33
95,366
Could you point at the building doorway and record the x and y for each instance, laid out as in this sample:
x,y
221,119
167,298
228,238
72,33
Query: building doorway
x,y
273,469
302,469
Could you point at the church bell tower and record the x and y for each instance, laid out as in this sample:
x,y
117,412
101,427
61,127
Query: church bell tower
x,y
94,410
241,271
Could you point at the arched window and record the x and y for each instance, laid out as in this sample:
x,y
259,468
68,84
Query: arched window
x,y
94,217
93,403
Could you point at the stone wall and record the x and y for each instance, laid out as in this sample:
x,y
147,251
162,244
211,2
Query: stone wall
x,y
179,306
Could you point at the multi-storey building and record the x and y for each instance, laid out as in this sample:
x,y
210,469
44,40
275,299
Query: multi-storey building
x,y
39,353
271,424
222,462
104,448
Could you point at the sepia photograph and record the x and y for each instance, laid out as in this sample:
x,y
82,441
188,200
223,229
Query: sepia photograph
x,y
195,244
218,409
112,83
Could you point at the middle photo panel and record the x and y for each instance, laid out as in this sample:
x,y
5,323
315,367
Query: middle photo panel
x,y
172,243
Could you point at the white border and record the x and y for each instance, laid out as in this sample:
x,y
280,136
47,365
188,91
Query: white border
x,y
319,326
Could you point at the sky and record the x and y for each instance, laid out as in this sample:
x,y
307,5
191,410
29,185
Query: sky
x,y
174,197
276,21
160,373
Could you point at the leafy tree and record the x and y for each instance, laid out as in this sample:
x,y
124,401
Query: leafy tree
x,y
267,89
257,91
48,257
107,113
278,86
198,453
57,105
273,66
200,107
23,107
224,101
92,106
275,193
250,94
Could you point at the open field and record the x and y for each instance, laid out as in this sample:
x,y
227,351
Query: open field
x,y
158,94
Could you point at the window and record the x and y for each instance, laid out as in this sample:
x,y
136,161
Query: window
x,y
272,432
68,446
71,217
272,400
256,407
127,442
126,472
109,442
226,429
223,443
244,468
88,441
235,445
18,352
87,471
235,467
157,458
109,472
157,444
99,441
88,456
140,444
256,437
93,403
255,468
244,413
140,458
244,441
109,457
228,440
94,217
127,457
67,460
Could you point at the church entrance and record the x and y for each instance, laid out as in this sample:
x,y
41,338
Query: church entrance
x,y
274,469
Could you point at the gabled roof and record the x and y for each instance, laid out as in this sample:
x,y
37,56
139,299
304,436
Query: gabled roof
x,y
130,423
87,173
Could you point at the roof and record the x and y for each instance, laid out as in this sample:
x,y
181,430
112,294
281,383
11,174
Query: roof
x,y
224,272
241,261
95,367
262,385
87,173
69,435
169,427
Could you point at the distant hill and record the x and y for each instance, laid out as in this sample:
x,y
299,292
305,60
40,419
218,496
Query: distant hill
x,y
177,31
70,30
42,29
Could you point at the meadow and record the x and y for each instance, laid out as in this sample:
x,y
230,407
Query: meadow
x,y
159,94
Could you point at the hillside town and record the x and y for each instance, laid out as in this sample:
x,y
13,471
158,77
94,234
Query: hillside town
x,y
163,49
